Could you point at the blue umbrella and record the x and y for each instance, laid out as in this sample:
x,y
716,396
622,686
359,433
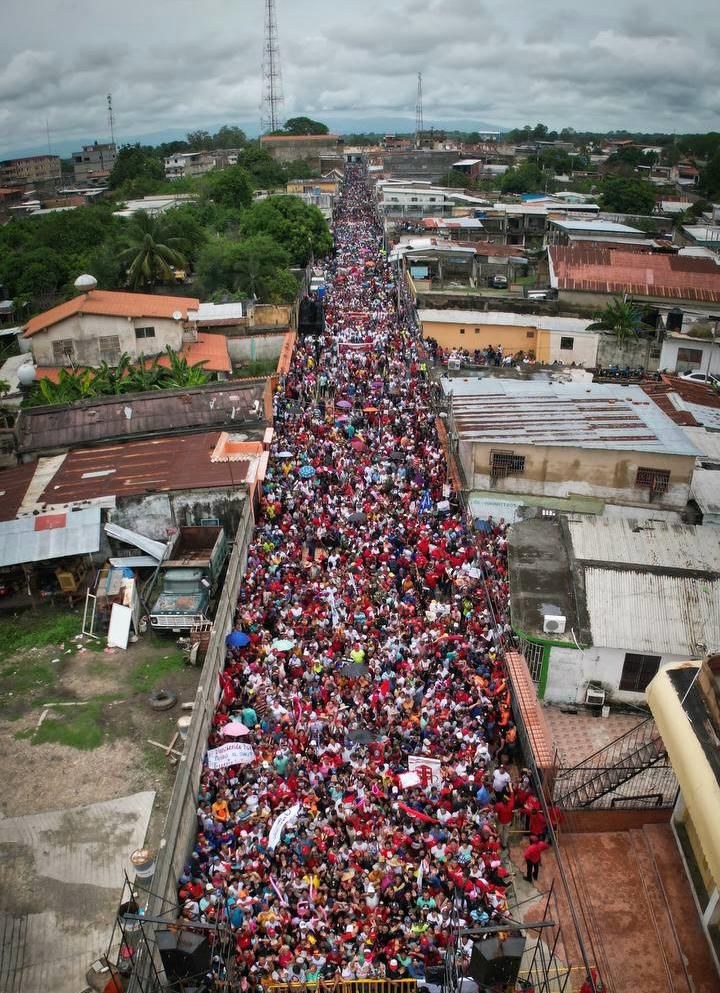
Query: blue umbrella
x,y
237,639
307,471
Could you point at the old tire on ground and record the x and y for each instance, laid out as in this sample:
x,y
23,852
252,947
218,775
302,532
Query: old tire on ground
x,y
162,699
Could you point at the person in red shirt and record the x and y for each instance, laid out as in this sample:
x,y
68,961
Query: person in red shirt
x,y
533,857
504,811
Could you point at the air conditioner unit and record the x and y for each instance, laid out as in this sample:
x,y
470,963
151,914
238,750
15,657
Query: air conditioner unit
x,y
554,624
595,695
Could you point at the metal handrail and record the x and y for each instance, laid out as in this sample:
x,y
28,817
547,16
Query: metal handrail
x,y
615,744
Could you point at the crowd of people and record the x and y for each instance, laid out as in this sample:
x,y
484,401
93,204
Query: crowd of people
x,y
370,812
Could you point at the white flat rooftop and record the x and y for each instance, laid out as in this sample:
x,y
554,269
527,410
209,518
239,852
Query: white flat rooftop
x,y
468,318
608,227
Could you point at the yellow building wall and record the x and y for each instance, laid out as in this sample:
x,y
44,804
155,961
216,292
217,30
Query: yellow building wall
x,y
471,336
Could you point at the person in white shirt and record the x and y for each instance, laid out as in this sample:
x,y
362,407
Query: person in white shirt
x,y
501,780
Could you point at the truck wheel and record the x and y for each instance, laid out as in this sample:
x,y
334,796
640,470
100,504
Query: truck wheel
x,y
162,700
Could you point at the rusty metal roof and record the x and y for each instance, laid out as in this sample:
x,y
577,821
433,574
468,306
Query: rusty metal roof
x,y
562,414
13,487
176,462
600,270
157,412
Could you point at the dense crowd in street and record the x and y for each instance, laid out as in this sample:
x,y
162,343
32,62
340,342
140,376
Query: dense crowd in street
x,y
366,678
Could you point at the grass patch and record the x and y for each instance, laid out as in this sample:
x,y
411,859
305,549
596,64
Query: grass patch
x,y
155,761
77,727
146,675
261,367
25,677
37,629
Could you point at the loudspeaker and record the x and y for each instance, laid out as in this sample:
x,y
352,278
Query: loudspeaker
x,y
496,962
183,955
435,975
311,317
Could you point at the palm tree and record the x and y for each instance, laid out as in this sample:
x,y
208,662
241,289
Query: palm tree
x,y
144,376
153,251
622,318
110,380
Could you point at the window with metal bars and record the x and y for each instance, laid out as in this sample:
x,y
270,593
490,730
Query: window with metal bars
x,y
63,351
109,349
506,464
655,480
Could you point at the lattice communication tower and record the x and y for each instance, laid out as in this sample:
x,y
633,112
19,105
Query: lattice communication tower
x,y
272,95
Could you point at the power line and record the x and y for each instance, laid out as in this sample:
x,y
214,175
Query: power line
x,y
272,95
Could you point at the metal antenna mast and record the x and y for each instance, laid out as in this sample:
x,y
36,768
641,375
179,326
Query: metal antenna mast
x,y
272,96
111,118
419,124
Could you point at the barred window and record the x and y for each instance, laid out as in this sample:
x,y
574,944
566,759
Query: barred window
x,y
655,480
506,464
109,349
63,351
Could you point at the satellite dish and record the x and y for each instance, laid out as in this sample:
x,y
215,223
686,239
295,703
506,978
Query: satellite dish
x,y
177,315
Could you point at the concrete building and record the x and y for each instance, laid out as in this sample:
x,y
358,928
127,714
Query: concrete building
x,y
310,148
94,163
683,353
685,701
30,170
551,339
540,441
101,325
601,604
154,205
596,230
419,163
184,165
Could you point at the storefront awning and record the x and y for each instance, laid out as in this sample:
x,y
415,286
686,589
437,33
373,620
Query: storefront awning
x,y
37,537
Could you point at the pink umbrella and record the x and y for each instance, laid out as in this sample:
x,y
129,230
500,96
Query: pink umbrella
x,y
344,404
235,730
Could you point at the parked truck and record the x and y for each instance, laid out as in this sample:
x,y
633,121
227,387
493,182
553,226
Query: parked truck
x,y
188,577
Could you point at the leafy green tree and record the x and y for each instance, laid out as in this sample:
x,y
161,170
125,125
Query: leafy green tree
x,y
145,375
627,196
304,125
231,187
267,174
255,267
109,380
525,178
229,137
299,227
456,179
622,318
153,251
136,162
198,141
710,177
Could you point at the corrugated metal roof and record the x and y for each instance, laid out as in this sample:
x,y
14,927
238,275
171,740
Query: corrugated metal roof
x,y
705,491
107,418
646,543
13,487
707,441
507,412
658,614
178,462
601,270
26,539
155,549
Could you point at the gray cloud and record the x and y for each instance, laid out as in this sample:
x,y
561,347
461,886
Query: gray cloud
x,y
184,64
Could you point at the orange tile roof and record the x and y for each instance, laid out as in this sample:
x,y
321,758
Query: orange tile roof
x,y
598,270
113,304
210,348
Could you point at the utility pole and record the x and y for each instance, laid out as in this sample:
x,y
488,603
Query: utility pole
x,y
419,124
111,118
272,96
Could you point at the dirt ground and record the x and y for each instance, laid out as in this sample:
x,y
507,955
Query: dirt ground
x,y
97,748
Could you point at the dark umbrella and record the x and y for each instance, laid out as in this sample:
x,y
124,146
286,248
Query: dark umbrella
x,y
361,736
358,518
354,670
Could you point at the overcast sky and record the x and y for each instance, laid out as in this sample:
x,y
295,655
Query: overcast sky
x,y
181,64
